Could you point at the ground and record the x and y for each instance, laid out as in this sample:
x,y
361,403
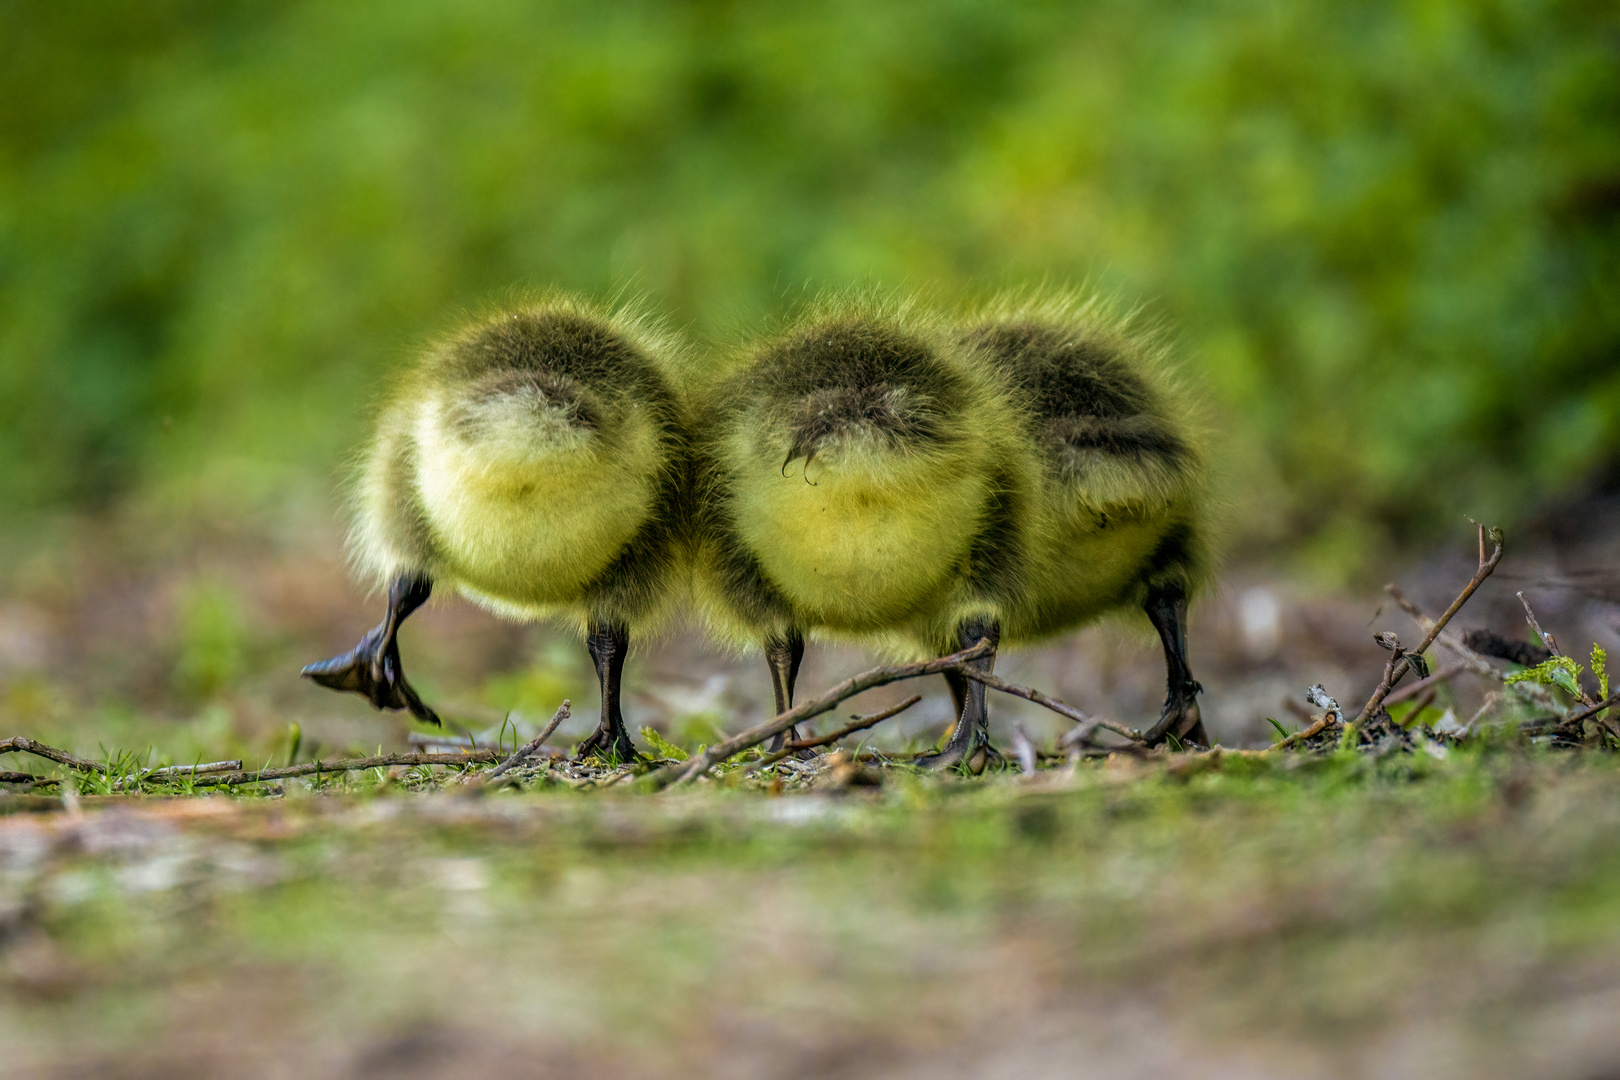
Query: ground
x,y
1429,912
1308,917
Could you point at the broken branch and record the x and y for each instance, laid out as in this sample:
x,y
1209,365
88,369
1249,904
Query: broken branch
x,y
20,745
1399,665
1028,694
861,724
1530,617
178,770
310,768
527,749
1405,693
1530,692
1591,711
683,771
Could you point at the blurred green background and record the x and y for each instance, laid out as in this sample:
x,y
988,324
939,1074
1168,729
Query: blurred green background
x,y
1385,232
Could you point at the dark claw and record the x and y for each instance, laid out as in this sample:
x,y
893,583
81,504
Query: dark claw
x,y
609,744
375,674
953,755
1181,718
969,743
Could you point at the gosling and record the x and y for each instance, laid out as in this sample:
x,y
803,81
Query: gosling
x,y
1117,516
535,462
861,477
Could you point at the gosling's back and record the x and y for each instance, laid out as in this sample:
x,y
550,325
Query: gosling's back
x,y
1118,507
534,461
851,464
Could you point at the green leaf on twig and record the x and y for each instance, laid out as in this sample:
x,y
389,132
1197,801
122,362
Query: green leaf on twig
x,y
1559,671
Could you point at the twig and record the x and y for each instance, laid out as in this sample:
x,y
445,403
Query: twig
x,y
1492,699
1530,617
1528,691
996,683
1300,736
20,745
1317,695
7,777
178,770
528,748
1552,646
1400,664
1591,711
309,768
683,771
1450,671
1422,703
208,767
861,724
1081,744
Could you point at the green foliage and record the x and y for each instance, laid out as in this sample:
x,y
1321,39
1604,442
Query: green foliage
x,y
662,747
1377,225
1559,671
1565,673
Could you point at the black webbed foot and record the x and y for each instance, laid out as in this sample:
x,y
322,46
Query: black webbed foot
x,y
1166,607
372,668
610,745
969,744
1180,719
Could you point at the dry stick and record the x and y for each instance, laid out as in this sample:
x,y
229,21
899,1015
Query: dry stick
x,y
1552,646
20,745
481,757
179,770
528,748
1422,703
1591,711
995,683
1397,668
1300,736
861,724
1450,671
207,767
1475,663
1530,617
7,777
683,771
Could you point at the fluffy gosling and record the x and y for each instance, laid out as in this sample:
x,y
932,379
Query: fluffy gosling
x,y
862,478
1117,517
534,462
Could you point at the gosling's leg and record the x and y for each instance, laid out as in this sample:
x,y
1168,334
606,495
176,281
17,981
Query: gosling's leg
x,y
372,668
969,743
608,643
1166,606
784,656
